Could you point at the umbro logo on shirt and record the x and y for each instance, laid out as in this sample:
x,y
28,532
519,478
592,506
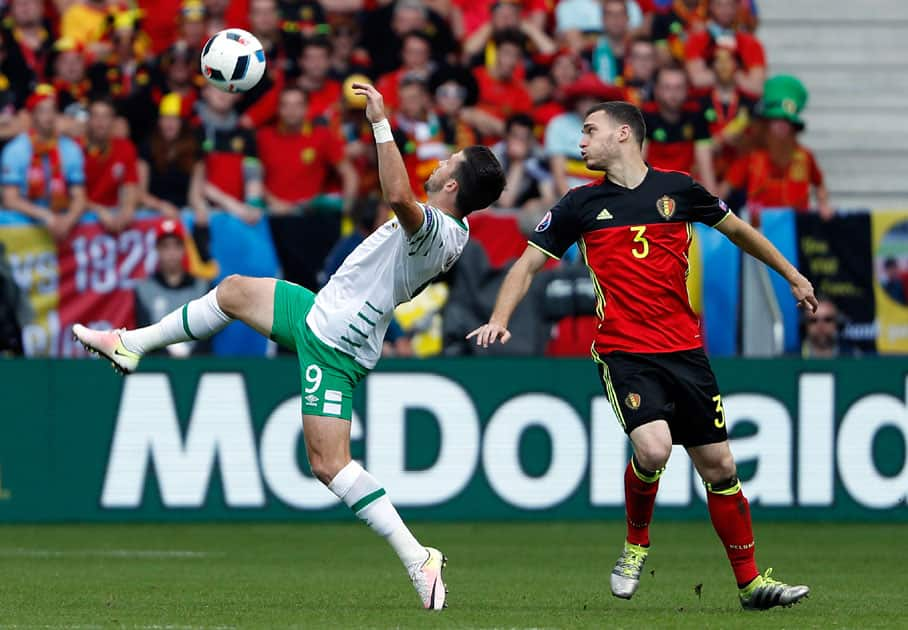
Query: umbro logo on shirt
x,y
604,215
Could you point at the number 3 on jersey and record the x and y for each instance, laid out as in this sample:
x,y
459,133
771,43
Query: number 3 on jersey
x,y
643,251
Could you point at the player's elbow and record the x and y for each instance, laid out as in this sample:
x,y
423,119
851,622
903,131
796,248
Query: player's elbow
x,y
400,200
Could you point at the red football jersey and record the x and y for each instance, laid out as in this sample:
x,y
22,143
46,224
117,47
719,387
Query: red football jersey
x,y
635,243
106,171
297,164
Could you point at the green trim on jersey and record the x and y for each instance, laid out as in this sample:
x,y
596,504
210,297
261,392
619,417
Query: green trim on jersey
x,y
328,375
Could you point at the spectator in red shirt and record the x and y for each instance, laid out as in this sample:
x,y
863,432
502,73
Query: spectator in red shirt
x,y
298,156
500,93
481,47
639,71
111,178
323,94
677,136
781,174
416,53
233,173
541,88
418,133
721,25
566,69
726,108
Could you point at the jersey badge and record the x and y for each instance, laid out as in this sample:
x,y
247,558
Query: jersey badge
x,y
666,207
605,215
545,223
633,401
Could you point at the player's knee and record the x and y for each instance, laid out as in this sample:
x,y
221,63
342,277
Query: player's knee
x,y
720,469
325,468
653,455
230,294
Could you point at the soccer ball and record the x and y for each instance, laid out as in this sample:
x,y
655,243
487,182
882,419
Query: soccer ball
x,y
233,60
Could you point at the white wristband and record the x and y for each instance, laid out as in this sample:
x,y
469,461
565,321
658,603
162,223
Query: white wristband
x,y
382,131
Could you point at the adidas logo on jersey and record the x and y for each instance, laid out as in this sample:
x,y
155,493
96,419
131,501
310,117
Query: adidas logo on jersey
x,y
604,215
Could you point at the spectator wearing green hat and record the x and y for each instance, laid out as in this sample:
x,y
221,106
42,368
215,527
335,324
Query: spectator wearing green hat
x,y
781,173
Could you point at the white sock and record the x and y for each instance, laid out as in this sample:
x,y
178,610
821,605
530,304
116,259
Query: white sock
x,y
362,493
197,319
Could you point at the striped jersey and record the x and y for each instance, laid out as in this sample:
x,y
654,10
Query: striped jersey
x,y
352,312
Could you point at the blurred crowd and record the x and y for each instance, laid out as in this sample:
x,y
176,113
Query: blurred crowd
x,y
103,109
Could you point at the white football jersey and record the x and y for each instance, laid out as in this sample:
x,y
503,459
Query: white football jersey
x,y
352,312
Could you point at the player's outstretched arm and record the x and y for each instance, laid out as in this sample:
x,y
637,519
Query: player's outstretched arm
x,y
758,246
515,286
391,170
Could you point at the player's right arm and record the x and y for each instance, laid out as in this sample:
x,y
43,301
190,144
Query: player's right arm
x,y
556,232
392,173
515,287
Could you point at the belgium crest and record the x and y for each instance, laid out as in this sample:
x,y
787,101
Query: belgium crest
x,y
666,206
633,400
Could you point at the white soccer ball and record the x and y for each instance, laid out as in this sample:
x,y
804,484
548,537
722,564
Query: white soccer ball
x,y
233,60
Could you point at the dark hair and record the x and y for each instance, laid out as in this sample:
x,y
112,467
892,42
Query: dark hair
x,y
418,34
317,41
518,120
480,179
510,36
623,113
413,79
672,67
293,87
181,152
102,99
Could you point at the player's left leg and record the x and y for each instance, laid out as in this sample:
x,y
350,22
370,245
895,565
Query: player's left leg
x,y
729,511
328,447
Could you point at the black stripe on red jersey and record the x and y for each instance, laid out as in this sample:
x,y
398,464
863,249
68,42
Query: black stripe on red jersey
x,y
662,197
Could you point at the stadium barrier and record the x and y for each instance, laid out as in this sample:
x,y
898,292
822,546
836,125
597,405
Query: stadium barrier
x,y
209,440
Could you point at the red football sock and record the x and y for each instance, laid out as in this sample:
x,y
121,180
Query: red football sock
x,y
730,514
640,488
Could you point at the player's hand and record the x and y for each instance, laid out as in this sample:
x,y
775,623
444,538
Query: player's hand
x,y
802,291
489,333
375,103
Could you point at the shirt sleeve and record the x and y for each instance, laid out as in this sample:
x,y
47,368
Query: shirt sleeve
x,y
696,45
558,229
437,244
751,52
705,207
73,163
131,176
701,128
333,146
13,163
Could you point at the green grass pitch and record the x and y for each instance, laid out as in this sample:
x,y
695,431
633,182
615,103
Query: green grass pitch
x,y
499,575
